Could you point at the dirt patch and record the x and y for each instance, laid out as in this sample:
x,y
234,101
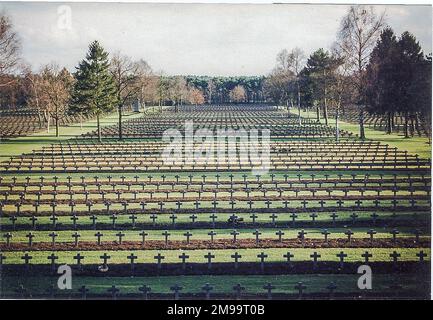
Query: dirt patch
x,y
219,244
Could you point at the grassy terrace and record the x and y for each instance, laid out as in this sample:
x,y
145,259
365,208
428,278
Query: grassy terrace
x,y
283,220
415,145
17,146
202,234
221,284
221,255
406,218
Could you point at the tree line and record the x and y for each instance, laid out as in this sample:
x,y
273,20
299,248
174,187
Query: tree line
x,y
367,67
102,84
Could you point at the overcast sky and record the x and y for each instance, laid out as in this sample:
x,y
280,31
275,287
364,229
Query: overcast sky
x,y
197,39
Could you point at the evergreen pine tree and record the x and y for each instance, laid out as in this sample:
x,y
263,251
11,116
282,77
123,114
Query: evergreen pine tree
x,y
94,89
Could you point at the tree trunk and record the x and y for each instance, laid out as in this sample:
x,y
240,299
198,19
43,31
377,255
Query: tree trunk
x,y
57,121
318,113
325,106
299,102
361,123
337,133
57,127
412,126
406,125
325,113
48,123
99,127
389,123
120,106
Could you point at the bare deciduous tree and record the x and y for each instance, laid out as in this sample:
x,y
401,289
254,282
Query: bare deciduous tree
x,y
9,49
125,73
359,31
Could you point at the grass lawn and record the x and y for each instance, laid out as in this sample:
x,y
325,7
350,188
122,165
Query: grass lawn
x,y
221,255
17,146
221,284
416,145
202,234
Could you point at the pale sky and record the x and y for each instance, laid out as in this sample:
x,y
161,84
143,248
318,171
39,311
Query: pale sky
x,y
201,39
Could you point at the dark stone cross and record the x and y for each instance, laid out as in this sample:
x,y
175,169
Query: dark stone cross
x,y
105,257
301,235
366,255
132,257
233,218
153,217
253,216
188,236
293,216
236,256
30,236
209,258
334,215
53,259
238,289
257,233
54,219
74,219
280,234
421,255
145,290
371,233
114,291
300,287
273,217
26,257
262,256
166,234
33,219
143,235
8,237
394,233
234,233
315,257
269,287
213,217
349,234
173,218
207,288
78,257
99,235
113,219
313,217
183,257
159,258
395,255
93,218
325,233
193,217
341,256
176,289
288,257
353,216
120,235
76,236
250,204
211,233
133,218
83,290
